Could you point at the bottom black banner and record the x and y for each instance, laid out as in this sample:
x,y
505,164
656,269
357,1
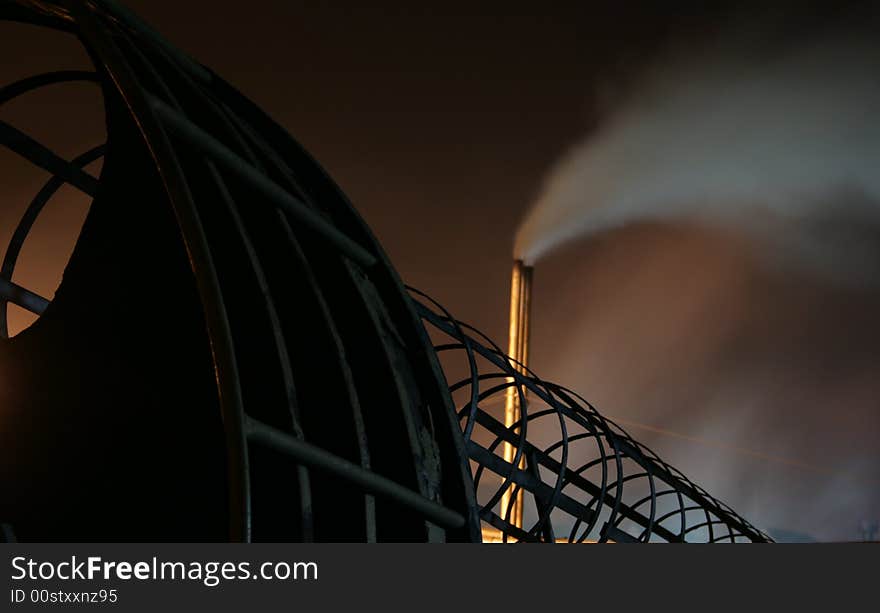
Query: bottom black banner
x,y
276,577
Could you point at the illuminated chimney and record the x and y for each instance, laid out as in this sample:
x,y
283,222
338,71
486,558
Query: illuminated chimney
x,y
518,349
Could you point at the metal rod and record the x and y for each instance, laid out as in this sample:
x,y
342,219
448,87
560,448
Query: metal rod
x,y
205,143
47,159
24,298
486,458
321,459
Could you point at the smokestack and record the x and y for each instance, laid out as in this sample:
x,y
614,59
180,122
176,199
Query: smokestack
x,y
518,349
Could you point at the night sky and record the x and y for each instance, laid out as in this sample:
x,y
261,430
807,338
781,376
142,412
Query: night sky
x,y
438,119
440,122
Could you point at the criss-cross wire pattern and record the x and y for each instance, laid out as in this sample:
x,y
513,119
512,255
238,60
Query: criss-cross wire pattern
x,y
584,477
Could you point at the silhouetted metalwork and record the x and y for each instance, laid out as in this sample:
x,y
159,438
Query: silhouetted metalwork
x,y
586,478
230,355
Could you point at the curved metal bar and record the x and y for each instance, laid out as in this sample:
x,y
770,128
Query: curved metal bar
x,y
45,158
30,215
22,14
123,16
13,90
472,365
23,297
229,391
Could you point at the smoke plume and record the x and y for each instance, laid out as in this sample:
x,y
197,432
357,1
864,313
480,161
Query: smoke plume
x,y
724,306
775,135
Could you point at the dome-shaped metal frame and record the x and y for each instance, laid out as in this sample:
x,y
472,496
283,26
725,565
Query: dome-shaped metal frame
x,y
320,361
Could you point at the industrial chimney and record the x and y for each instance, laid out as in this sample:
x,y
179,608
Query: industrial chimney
x,y
518,350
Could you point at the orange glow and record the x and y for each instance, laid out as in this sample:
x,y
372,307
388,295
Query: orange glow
x,y
491,535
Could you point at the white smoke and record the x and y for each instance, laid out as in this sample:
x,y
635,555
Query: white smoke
x,y
784,143
773,133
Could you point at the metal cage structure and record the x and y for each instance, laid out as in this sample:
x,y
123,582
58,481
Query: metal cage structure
x,y
231,356
585,478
